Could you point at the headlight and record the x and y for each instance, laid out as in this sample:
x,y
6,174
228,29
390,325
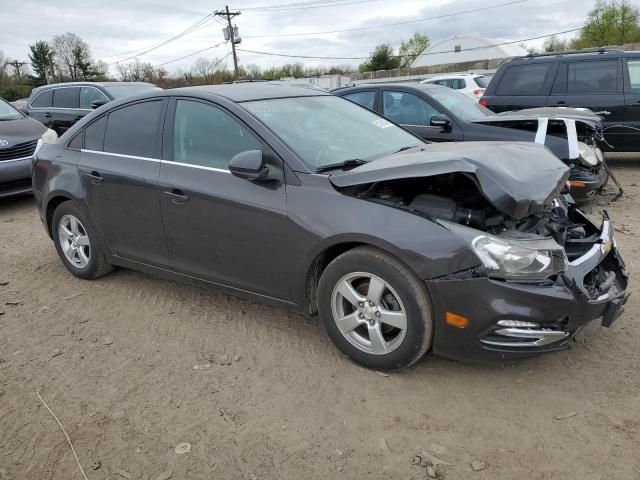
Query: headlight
x,y
589,155
50,136
508,258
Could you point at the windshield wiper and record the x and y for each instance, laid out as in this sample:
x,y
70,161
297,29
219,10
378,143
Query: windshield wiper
x,y
404,149
352,162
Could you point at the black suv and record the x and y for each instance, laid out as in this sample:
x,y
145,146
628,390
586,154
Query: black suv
x,y
60,105
604,81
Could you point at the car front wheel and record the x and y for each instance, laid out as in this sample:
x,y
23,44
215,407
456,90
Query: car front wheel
x,y
375,309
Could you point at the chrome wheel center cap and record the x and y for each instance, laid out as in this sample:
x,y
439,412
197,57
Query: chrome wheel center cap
x,y
369,312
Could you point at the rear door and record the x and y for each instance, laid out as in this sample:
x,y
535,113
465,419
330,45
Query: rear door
x,y
630,137
596,85
119,168
220,227
65,108
522,85
414,114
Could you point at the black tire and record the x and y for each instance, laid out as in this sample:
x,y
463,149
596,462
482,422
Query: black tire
x,y
98,264
413,296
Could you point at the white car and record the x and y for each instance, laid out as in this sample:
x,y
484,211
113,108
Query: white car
x,y
472,85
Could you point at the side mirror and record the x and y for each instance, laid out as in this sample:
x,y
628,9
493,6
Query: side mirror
x,y
98,103
441,121
249,165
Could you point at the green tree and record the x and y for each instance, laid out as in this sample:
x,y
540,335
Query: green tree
x,y
41,58
382,58
410,49
611,22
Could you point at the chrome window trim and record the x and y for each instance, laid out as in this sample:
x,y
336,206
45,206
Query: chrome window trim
x,y
64,108
149,159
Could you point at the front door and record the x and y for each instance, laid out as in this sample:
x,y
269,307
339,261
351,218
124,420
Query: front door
x,y
219,227
414,114
119,168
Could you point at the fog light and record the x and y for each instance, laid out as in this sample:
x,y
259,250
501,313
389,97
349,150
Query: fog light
x,y
517,324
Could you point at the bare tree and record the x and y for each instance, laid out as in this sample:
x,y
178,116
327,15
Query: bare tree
x,y
72,57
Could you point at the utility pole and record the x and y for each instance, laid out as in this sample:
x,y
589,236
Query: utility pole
x,y
232,34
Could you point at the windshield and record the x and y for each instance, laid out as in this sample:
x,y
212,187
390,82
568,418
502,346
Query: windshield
x,y
483,81
463,107
7,112
327,130
120,91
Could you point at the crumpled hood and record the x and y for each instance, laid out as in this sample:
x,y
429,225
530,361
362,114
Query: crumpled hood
x,y
552,113
518,178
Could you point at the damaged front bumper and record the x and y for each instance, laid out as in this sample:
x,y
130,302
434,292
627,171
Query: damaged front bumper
x,y
586,183
509,319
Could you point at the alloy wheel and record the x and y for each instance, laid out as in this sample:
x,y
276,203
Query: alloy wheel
x,y
74,241
369,313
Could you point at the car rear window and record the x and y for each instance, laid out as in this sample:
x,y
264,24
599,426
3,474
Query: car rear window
x,y
483,81
66,97
43,99
593,77
524,79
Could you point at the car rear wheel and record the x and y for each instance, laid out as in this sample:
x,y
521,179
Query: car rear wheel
x,y
77,243
375,310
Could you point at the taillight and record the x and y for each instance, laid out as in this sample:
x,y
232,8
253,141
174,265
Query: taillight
x,y
479,92
483,103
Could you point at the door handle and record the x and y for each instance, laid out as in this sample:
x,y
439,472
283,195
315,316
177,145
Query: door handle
x,y
48,114
94,177
637,104
560,104
177,196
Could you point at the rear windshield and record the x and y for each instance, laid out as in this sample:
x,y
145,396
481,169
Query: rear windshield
x,y
121,91
483,81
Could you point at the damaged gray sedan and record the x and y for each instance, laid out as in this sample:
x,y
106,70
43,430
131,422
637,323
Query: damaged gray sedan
x,y
299,198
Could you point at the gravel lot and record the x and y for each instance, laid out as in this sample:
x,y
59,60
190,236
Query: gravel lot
x,y
114,359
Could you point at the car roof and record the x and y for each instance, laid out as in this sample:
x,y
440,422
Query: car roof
x,y
457,75
244,92
414,86
575,55
91,84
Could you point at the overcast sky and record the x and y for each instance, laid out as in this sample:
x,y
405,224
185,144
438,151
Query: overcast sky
x,y
115,27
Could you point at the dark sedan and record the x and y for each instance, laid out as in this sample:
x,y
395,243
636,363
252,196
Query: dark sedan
x,y
19,138
439,114
60,105
300,198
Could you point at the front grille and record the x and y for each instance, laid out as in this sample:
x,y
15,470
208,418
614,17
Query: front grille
x,y
20,150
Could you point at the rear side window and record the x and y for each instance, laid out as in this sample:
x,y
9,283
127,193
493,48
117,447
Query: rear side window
x,y
366,99
560,82
524,79
593,77
76,142
133,130
94,134
483,82
66,97
634,75
458,83
43,99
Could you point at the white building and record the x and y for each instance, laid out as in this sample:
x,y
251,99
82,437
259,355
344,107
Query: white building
x,y
466,49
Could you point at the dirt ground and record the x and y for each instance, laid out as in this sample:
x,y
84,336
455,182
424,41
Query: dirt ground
x,y
114,359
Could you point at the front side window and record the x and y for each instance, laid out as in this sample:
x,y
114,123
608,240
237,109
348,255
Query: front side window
x,y
88,95
66,97
43,99
524,79
325,130
366,99
407,109
133,130
593,77
206,136
633,66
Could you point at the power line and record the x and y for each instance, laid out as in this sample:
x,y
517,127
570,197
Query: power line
x,y
372,27
192,54
423,54
292,4
339,3
190,29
